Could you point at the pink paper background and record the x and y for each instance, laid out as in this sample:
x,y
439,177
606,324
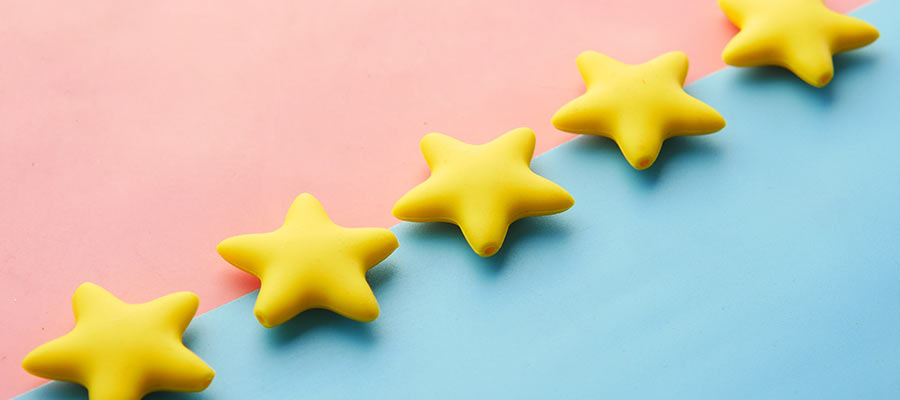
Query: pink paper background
x,y
135,135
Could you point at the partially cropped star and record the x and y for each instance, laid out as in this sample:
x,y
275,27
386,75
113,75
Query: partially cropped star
x,y
311,262
122,351
481,188
637,106
800,35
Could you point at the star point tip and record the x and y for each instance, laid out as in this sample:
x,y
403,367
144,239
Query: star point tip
x,y
369,315
488,250
263,320
643,163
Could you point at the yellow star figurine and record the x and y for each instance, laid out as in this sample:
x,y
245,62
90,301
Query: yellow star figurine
x,y
311,262
800,35
481,188
637,106
122,351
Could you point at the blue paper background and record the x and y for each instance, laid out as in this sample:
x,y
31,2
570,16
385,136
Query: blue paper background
x,y
759,262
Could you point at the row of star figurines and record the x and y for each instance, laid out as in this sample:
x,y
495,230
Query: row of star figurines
x,y
123,351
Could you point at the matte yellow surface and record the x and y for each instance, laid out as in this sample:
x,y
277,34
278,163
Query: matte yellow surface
x,y
122,351
311,262
800,35
638,106
481,188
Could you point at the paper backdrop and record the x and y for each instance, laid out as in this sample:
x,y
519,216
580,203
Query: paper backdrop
x,y
135,135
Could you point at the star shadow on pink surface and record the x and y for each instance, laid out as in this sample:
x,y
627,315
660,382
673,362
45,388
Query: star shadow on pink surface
x,y
238,280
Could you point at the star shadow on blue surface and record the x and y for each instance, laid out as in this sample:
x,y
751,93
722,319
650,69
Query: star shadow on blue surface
x,y
350,333
64,391
547,229
517,240
358,333
178,396
844,64
676,150
72,391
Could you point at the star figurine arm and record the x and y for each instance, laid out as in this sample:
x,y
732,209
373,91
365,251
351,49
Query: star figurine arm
x,y
122,351
481,188
311,262
800,35
637,106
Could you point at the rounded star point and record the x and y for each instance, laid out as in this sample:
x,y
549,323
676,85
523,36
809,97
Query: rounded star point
x,y
489,250
643,163
263,320
369,314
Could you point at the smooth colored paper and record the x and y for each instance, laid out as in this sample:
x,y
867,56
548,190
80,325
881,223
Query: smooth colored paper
x,y
759,262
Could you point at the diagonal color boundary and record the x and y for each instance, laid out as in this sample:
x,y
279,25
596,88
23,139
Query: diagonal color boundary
x,y
759,262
